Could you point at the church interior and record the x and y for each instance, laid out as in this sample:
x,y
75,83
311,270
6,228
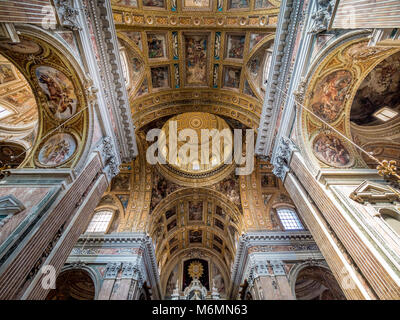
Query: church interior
x,y
312,89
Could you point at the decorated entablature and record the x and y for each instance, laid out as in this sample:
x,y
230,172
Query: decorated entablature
x,y
57,86
334,91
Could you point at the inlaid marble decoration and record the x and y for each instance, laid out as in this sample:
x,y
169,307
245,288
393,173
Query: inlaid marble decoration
x,y
330,149
217,45
160,77
175,45
58,149
196,59
176,75
24,46
327,100
238,4
235,46
59,91
232,77
157,45
215,75
154,3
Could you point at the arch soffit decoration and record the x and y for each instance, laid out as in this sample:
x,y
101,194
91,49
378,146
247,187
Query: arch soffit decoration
x,y
53,54
173,199
200,192
336,58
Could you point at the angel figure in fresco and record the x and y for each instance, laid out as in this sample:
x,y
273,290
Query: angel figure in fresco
x,y
57,95
332,95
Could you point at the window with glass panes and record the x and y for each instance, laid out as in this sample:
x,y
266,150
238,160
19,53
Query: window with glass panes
x,y
100,221
289,219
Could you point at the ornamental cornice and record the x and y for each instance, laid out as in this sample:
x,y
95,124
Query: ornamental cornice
x,y
106,40
289,16
113,239
230,20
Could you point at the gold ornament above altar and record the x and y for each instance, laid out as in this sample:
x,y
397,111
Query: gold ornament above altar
x,y
195,270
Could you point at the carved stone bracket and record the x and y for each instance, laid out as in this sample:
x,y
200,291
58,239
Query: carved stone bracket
x,y
112,270
100,14
322,16
67,14
299,94
107,153
132,271
279,74
277,268
281,160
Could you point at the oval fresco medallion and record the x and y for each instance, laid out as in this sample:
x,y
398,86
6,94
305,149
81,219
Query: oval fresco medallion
x,y
329,149
59,90
57,149
328,98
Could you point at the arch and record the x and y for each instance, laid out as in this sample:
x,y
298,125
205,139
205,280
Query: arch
x,y
193,253
341,66
319,279
391,218
75,284
224,103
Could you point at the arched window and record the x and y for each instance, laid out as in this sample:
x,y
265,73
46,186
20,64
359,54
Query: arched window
x,y
392,218
100,221
289,219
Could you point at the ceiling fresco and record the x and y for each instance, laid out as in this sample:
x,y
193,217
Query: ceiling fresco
x,y
348,86
41,89
206,56
16,97
159,61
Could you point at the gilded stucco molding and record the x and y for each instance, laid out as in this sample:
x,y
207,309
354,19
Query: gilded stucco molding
x,y
100,12
289,17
